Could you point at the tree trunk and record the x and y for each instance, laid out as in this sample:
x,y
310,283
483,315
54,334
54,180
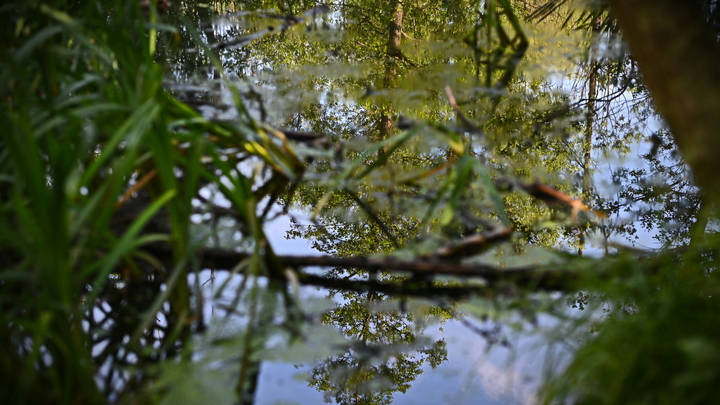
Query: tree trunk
x,y
679,58
394,53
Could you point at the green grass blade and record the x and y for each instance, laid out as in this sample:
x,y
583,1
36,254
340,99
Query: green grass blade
x,y
126,243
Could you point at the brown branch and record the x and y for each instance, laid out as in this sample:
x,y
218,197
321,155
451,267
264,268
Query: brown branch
x,y
473,244
140,184
408,288
551,278
551,197
453,103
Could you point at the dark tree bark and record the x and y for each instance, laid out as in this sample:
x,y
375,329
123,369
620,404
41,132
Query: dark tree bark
x,y
679,58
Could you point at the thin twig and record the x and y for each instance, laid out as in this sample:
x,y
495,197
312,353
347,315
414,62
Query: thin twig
x,y
453,103
373,217
137,186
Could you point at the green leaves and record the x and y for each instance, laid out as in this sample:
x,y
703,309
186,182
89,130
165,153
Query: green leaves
x,y
105,176
128,242
384,149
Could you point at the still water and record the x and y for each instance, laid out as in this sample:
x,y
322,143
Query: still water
x,y
361,73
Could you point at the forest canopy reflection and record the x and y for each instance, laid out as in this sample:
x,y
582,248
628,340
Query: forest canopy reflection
x,y
489,163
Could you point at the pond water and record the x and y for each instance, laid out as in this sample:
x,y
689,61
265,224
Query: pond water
x,y
532,102
360,202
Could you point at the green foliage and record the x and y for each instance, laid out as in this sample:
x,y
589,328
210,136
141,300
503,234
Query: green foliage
x,y
88,127
657,346
67,89
114,182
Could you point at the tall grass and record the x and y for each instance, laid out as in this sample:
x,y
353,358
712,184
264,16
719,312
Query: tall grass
x,y
93,150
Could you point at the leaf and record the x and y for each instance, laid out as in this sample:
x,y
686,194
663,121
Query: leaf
x,y
396,141
125,245
130,131
459,178
492,190
178,272
36,41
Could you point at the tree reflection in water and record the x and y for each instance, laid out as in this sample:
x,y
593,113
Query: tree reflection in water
x,y
455,162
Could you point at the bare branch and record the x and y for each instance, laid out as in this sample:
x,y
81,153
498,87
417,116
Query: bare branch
x,y
549,277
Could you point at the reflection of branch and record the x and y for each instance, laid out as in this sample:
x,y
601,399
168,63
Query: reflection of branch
x,y
473,244
373,217
287,22
408,288
492,336
453,103
545,278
